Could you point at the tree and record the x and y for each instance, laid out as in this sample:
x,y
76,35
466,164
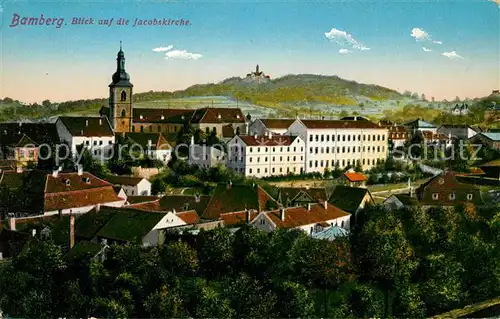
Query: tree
x,y
366,301
158,186
164,303
215,252
294,300
46,103
179,259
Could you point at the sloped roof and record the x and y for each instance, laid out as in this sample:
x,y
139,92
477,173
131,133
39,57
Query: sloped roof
x,y
406,199
291,193
124,180
129,225
26,141
184,203
331,233
83,251
141,199
355,177
82,198
218,115
300,216
348,198
274,140
277,123
235,198
87,126
236,218
189,217
11,133
420,124
157,115
88,225
336,124
494,136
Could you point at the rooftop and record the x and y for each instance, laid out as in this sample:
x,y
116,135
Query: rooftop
x,y
338,124
277,123
124,180
87,126
348,198
274,140
331,233
355,177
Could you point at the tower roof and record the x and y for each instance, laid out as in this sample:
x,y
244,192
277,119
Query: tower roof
x,y
121,77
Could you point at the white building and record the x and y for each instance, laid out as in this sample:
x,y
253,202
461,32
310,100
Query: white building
x,y
94,133
206,156
312,218
264,126
269,155
133,186
343,143
154,145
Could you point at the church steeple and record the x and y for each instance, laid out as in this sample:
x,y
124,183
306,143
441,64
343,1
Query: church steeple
x,y
121,77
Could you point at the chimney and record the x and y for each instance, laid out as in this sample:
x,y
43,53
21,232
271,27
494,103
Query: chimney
x,y
150,143
192,140
326,205
308,206
33,232
197,198
86,122
80,169
247,216
270,134
255,136
12,223
229,185
282,214
55,173
97,207
71,231
19,169
81,132
100,121
174,212
60,168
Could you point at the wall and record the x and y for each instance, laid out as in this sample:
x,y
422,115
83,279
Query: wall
x,y
145,172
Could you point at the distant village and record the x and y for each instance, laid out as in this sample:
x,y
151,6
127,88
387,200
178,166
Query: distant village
x,y
121,209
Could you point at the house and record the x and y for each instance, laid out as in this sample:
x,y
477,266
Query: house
x,y
179,203
400,201
126,225
19,142
132,186
350,199
154,145
262,156
138,199
489,139
257,76
160,120
312,218
93,133
446,190
206,156
294,196
331,143
398,134
229,198
216,120
45,193
236,219
463,132
262,127
460,109
355,179
418,125
436,138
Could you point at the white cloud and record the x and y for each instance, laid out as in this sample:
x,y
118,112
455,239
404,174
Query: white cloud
x,y
182,55
452,55
426,50
345,39
163,49
419,34
439,42
344,51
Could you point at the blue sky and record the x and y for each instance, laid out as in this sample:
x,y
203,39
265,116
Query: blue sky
x,y
227,38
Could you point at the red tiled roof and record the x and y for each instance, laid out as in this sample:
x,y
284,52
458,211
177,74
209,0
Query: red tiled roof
x,y
80,198
65,182
300,216
237,217
275,140
141,199
189,217
429,135
277,123
218,115
333,124
151,206
355,177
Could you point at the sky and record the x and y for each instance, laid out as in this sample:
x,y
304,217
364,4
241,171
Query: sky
x,y
442,49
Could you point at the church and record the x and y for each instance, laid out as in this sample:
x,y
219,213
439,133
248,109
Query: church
x,y
224,122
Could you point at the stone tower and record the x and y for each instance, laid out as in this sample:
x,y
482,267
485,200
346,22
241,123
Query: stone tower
x,y
120,97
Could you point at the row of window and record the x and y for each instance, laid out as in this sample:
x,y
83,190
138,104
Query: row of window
x,y
150,128
273,149
294,159
95,143
345,138
322,150
435,196
294,170
344,163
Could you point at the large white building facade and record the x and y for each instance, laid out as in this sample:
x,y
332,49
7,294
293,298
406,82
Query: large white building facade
x,y
341,143
268,155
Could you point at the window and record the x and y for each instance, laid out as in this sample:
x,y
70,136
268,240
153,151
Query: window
x,y
452,196
266,149
281,158
294,158
87,142
294,149
348,138
251,149
288,158
265,159
123,96
159,128
316,164
95,142
316,150
316,137
265,170
123,113
343,138
100,142
469,196
435,196
151,128
310,163
288,149
258,149
321,163
327,150
322,138
273,158
328,138
258,159
310,138
333,138
258,170
250,159
250,171
281,170
302,149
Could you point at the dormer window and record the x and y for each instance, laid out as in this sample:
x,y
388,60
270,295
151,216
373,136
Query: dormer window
x,y
162,117
435,196
469,196
86,180
140,116
237,116
219,116
67,182
452,196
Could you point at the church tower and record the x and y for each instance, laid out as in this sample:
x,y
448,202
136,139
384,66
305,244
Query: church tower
x,y
120,97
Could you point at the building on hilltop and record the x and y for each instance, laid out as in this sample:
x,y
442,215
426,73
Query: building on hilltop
x,y
257,76
460,109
